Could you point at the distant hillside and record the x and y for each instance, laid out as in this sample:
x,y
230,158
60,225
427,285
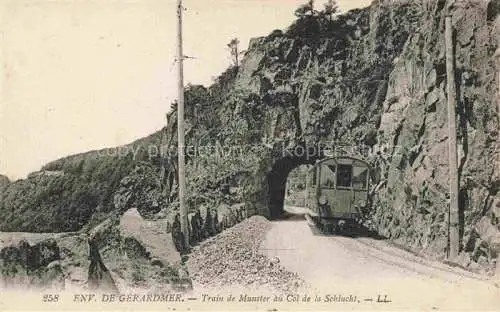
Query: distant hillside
x,y
66,193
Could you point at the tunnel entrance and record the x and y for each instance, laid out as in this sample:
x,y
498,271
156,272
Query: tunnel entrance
x,y
296,183
277,181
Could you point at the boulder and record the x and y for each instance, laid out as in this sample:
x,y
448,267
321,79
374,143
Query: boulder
x,y
99,277
147,238
36,266
488,233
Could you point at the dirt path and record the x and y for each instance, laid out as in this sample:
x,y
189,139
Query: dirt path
x,y
367,267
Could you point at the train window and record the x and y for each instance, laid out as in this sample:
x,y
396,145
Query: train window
x,y
344,175
359,178
327,178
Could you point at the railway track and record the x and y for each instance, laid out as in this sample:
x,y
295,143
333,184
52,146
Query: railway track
x,y
366,265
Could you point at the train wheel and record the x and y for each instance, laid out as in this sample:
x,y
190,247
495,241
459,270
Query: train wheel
x,y
342,225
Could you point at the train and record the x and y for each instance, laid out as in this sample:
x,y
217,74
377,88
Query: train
x,y
337,190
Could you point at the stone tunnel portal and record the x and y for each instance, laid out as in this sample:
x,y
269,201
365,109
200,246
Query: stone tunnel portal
x,y
277,181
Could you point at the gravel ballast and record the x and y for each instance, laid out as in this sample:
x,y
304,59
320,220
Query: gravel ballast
x,y
232,259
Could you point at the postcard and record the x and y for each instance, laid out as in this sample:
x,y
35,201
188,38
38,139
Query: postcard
x,y
250,155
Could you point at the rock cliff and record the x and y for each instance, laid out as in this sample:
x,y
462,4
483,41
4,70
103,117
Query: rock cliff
x,y
373,82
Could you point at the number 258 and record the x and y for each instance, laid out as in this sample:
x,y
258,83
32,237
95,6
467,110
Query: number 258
x,y
50,298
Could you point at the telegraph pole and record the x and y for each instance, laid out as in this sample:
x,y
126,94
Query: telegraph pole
x,y
180,129
453,225
497,56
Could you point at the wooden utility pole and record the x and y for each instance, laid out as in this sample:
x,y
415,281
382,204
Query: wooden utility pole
x,y
453,225
497,56
180,129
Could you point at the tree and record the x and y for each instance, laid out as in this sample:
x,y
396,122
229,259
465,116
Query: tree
x,y
330,9
233,48
305,9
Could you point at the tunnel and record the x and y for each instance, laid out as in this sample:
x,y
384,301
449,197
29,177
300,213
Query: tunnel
x,y
277,179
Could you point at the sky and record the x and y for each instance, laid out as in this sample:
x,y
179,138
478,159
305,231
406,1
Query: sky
x,y
80,75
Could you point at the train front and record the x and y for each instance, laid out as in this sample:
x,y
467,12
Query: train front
x,y
342,193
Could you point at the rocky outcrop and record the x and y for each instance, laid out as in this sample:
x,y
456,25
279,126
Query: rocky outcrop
x,y
147,239
115,256
133,253
372,83
413,207
99,277
37,266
